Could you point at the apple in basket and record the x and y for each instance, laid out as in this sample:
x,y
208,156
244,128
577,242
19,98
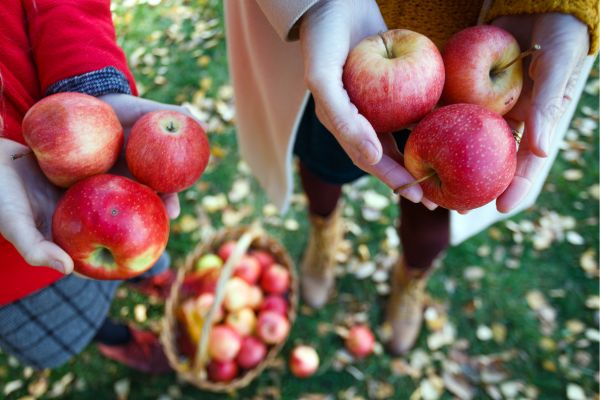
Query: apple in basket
x,y
275,279
224,343
252,352
272,327
243,321
222,371
276,304
248,268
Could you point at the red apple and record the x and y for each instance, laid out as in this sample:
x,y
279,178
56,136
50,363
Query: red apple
x,y
167,150
112,227
304,361
226,249
473,60
255,297
224,343
248,269
360,341
199,282
236,294
208,261
204,303
275,303
224,371
394,78
469,149
73,136
242,321
264,258
252,352
275,280
272,327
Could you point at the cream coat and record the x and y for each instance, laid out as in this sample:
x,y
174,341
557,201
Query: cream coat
x,y
267,74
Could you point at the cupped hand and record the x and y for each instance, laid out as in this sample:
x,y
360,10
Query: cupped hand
x,y
129,109
328,31
27,203
550,75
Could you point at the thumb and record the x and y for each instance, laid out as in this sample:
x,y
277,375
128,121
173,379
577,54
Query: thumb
x,y
171,202
352,130
36,250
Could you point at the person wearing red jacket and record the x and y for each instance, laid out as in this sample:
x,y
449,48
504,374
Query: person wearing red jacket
x,y
48,315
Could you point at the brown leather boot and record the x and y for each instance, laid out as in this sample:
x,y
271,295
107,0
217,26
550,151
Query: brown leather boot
x,y
405,307
317,275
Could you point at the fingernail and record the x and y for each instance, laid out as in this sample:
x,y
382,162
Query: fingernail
x,y
543,142
369,151
57,265
412,195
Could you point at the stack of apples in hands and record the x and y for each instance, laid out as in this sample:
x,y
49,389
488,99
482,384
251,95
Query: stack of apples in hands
x,y
112,227
463,153
253,317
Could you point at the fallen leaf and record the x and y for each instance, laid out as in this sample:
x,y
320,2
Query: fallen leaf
x,y
12,386
575,392
575,238
140,312
122,388
473,274
484,333
458,385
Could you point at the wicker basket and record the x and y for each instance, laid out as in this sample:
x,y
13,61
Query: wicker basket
x,y
247,238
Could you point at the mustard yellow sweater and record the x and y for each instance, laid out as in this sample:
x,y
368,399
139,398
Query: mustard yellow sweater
x,y
440,19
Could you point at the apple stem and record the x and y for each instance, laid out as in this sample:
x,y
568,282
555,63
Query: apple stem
x,y
517,136
20,155
524,54
385,44
413,183
170,127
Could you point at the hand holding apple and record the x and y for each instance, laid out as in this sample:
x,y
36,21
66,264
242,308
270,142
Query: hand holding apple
x,y
27,202
547,91
327,33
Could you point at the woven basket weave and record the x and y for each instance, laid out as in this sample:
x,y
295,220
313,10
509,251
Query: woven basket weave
x,y
246,238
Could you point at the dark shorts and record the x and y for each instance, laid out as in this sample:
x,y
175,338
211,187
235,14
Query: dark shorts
x,y
321,154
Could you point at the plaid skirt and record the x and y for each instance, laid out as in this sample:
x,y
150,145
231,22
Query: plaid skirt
x,y
48,327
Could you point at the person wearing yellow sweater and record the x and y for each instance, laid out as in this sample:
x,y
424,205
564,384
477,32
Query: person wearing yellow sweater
x,y
335,144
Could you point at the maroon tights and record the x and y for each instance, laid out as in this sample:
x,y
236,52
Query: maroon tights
x,y
424,234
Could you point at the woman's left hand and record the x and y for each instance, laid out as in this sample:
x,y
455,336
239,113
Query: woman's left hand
x,y
129,109
550,75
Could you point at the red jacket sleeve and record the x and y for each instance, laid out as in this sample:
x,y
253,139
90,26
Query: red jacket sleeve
x,y
73,37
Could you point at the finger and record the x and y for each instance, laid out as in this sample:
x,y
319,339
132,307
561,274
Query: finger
x,y
430,205
343,120
394,175
171,201
528,167
35,249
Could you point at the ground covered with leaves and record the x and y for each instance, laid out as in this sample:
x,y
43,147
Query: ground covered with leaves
x,y
512,313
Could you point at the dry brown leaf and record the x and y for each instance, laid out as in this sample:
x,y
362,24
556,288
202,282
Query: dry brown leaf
x,y
122,388
458,385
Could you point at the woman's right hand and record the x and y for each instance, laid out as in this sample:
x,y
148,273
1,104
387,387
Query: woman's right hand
x,y
328,31
27,202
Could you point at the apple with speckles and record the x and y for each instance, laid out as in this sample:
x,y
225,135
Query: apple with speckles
x,y
73,136
463,154
477,67
167,150
112,227
394,78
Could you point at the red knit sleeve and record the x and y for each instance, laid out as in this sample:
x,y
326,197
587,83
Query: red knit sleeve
x,y
72,37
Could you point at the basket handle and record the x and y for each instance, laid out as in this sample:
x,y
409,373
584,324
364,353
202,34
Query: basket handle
x,y
239,250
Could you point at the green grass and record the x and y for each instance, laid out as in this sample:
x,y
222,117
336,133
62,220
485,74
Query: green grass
x,y
189,64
